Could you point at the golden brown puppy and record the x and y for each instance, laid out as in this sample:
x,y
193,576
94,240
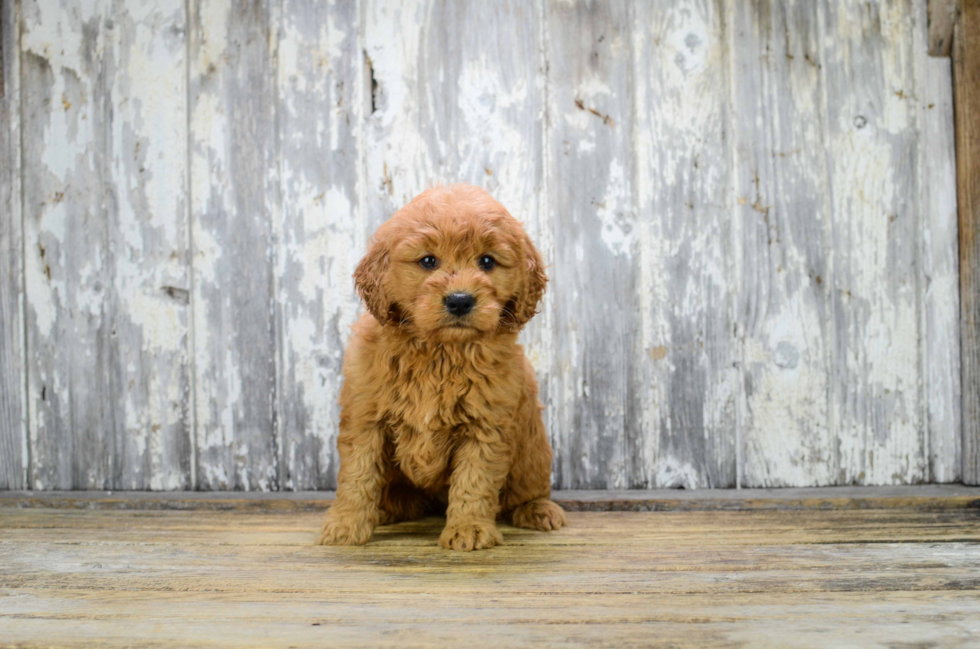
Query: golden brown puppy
x,y
438,400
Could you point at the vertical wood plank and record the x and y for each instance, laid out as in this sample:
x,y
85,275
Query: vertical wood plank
x,y
942,18
591,203
441,107
686,379
531,204
66,244
782,203
445,109
396,161
873,159
106,277
13,362
940,267
319,234
234,202
966,89
146,204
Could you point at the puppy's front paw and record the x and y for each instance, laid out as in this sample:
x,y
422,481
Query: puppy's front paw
x,y
539,514
342,530
471,535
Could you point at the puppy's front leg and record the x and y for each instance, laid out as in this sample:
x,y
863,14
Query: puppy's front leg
x,y
356,511
479,469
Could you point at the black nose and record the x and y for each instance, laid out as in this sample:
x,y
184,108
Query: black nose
x,y
459,304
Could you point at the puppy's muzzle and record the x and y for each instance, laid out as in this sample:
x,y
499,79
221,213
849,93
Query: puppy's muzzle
x,y
459,304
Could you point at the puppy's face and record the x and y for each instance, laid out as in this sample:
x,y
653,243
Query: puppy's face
x,y
453,265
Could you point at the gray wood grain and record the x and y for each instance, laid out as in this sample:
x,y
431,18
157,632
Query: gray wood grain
x,y
69,330
940,267
13,361
479,123
873,159
747,209
782,203
591,201
148,262
319,112
106,241
234,202
688,383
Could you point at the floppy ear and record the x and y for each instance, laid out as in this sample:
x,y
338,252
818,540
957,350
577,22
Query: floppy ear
x,y
532,288
369,276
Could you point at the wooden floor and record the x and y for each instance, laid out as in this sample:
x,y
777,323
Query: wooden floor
x,y
895,576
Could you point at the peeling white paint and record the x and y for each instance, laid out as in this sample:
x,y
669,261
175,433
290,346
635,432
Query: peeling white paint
x,y
752,349
616,211
672,474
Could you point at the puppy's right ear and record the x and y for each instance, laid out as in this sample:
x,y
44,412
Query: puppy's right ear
x,y
533,285
369,279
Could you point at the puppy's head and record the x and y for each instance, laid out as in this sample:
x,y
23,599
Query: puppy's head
x,y
452,265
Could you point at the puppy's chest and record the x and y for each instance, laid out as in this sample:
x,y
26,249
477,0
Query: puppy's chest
x,y
429,406
428,418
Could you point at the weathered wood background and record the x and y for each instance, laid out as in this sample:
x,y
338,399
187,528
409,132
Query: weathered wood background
x,y
749,210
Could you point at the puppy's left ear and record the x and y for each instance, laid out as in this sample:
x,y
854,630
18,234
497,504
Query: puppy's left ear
x,y
532,288
369,279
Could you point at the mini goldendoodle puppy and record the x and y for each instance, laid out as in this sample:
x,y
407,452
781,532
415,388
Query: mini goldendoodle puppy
x,y
439,404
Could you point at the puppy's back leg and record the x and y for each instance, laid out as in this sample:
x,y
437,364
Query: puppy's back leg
x,y
526,498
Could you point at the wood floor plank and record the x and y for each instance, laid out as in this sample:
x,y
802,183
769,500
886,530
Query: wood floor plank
x,y
918,497
617,529
79,578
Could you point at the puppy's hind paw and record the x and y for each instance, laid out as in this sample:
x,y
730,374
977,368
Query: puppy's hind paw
x,y
338,530
472,535
539,514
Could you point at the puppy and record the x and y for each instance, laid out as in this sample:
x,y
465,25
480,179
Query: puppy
x,y
439,404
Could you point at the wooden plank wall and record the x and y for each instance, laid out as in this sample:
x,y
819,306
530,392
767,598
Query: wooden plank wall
x,y
13,420
966,76
748,208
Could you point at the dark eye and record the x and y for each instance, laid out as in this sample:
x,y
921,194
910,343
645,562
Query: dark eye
x,y
428,262
487,262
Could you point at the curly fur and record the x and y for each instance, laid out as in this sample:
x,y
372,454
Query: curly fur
x,y
440,411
